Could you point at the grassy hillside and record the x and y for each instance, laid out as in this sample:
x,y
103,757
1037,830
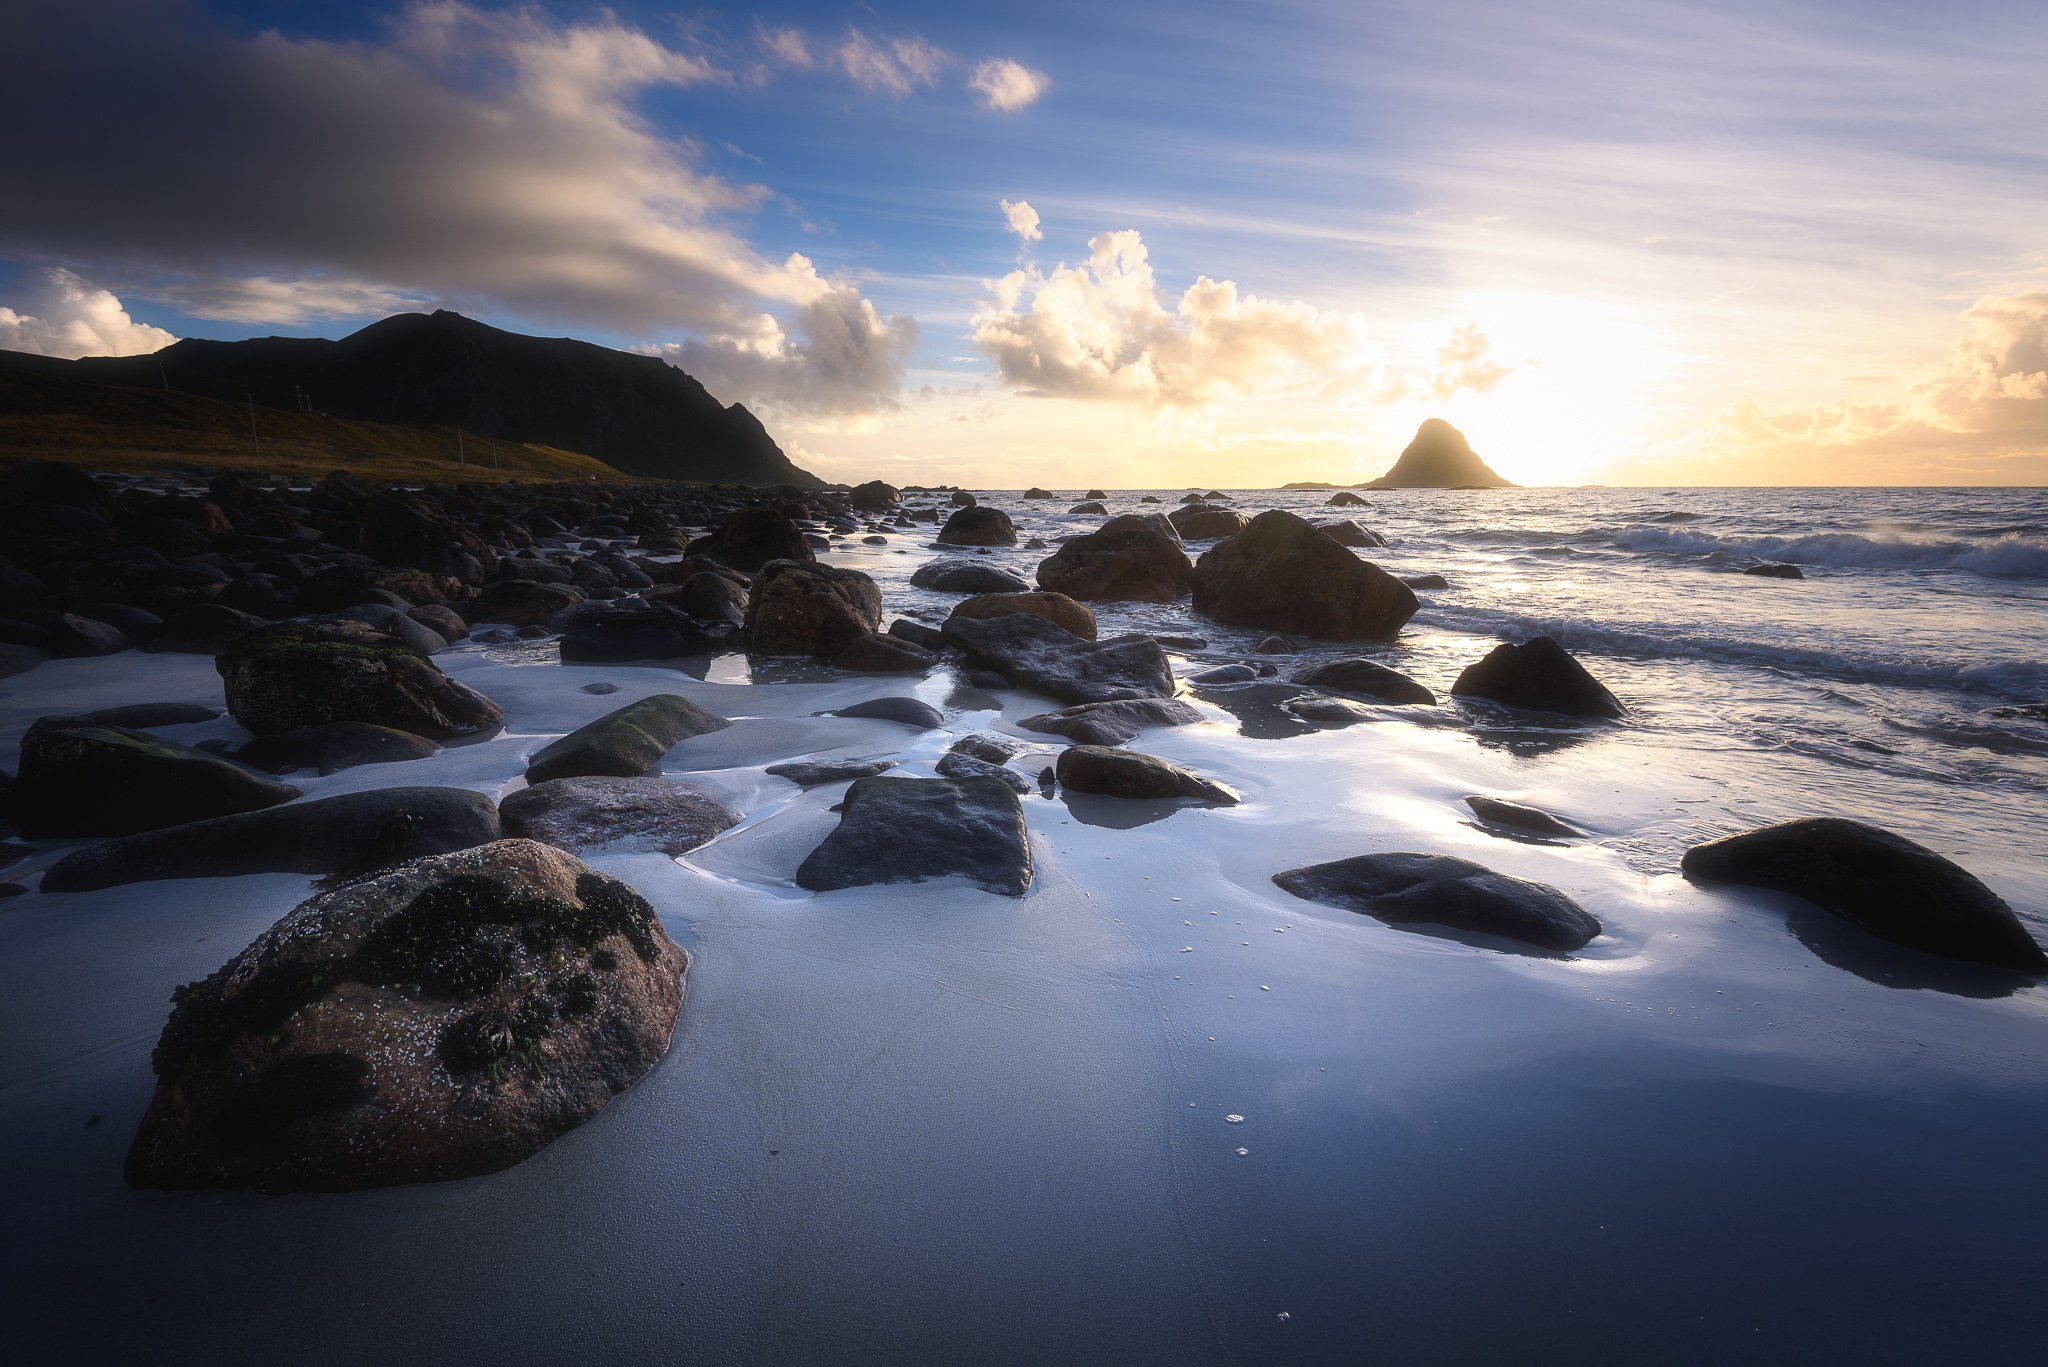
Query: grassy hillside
x,y
113,427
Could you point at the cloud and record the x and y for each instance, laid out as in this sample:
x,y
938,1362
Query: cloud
x,y
848,363
1007,85
893,66
1022,220
62,315
1984,413
1100,331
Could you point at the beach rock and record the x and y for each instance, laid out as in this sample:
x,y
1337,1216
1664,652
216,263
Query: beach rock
x,y
988,747
1056,608
1148,499
809,773
201,629
1279,573
1439,458
1890,886
349,835
988,678
957,763
909,711
1344,498
261,595
1039,655
884,654
751,537
1504,813
305,673
1425,581
1329,712
78,778
1126,773
1193,498
634,629
1095,493
1539,676
600,814
1225,674
1366,679
142,716
440,619
1435,888
979,526
875,496
332,747
1094,509
626,743
1035,492
392,622
1775,571
918,634
957,575
1203,523
810,609
1349,533
1112,723
905,830
522,602
962,499
1274,645
706,597
73,637
342,586
1126,559
445,1019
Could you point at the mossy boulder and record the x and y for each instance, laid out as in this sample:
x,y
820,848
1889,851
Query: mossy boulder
x,y
447,1018
801,608
297,674
81,778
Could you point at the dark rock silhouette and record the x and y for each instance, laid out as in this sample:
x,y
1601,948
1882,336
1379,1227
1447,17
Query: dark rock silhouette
x,y
1539,675
1437,888
905,830
1439,458
1125,773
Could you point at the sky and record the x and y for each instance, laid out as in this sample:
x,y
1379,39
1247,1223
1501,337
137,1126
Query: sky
x,y
1130,245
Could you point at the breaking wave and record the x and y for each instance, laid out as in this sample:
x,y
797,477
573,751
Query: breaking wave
x,y
2011,554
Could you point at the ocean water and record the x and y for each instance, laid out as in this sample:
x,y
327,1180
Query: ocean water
x,y
1157,1110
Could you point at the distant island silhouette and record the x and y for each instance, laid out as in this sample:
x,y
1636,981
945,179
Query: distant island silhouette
x,y
1439,458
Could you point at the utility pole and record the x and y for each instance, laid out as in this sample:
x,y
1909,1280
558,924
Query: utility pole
x,y
494,455
162,376
460,459
252,428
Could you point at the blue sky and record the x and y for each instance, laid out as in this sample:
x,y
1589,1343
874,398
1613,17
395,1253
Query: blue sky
x,y
1613,242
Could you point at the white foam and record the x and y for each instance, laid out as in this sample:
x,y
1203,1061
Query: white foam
x,y
2011,554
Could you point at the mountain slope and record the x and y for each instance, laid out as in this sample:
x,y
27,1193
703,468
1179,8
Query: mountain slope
x,y
1439,458
634,413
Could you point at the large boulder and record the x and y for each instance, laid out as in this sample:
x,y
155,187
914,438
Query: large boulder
x,y
1036,654
706,597
626,743
1366,679
602,814
905,830
1126,773
445,1019
1441,890
980,525
1056,608
79,778
1127,559
808,773
1200,522
962,499
884,654
1112,723
1540,676
304,673
522,602
1281,574
1890,886
634,629
201,629
332,747
957,574
751,537
1346,532
875,496
810,609
355,833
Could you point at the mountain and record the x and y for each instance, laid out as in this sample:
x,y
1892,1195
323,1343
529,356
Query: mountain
x,y
634,413
1439,458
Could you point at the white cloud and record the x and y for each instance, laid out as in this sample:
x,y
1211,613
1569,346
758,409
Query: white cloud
x,y
1100,331
894,66
1007,85
1022,220
260,299
62,315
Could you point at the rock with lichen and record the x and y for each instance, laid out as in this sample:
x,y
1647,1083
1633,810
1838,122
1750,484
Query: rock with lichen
x,y
307,673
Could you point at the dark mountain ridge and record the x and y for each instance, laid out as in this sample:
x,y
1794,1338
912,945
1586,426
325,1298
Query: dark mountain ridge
x,y
1439,458
635,413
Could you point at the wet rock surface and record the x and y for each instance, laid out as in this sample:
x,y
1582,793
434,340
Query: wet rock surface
x,y
1775,571
954,574
1033,653
1056,608
885,654
626,743
634,629
304,673
1126,773
598,814
1112,723
909,711
751,537
1281,574
445,1019
1127,559
347,835
1405,888
332,747
1894,888
77,778
1367,679
1537,676
980,525
1523,818
810,773
903,830
1329,712
806,609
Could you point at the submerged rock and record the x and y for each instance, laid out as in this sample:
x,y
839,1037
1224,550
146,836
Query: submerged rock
x,y
1036,654
295,674
448,1018
1890,886
1344,498
1367,679
1539,676
809,609
77,778
332,747
1776,571
979,526
1329,712
1436,888
1225,674
1281,574
1089,509
1112,723
909,711
809,773
885,654
958,763
1126,773
354,833
905,830
626,743
955,574
1056,608
1127,559
596,813
1502,813
1425,581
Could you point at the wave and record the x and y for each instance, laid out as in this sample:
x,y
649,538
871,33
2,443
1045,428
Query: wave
x,y
2011,554
2019,679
